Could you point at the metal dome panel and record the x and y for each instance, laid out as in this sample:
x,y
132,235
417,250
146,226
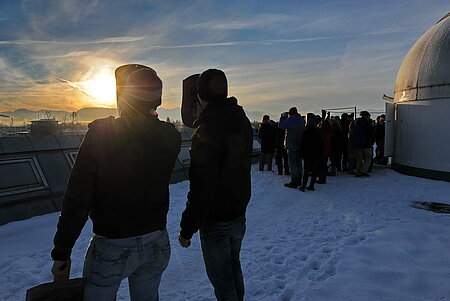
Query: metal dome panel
x,y
425,71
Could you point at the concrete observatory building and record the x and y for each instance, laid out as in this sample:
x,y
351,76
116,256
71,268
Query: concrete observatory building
x,y
418,121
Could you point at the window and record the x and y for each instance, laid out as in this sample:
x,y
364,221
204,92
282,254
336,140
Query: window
x,y
71,156
21,174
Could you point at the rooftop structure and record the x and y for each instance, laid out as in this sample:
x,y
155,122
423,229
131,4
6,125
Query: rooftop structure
x,y
417,130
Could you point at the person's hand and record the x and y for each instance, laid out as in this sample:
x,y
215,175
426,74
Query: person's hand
x,y
185,243
61,269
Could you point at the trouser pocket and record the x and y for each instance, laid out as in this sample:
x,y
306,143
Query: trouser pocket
x,y
105,263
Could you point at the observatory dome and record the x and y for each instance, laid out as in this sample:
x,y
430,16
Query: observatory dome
x,y
425,71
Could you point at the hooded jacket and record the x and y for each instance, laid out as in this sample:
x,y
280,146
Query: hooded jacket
x,y
362,134
266,134
219,172
295,126
120,180
312,147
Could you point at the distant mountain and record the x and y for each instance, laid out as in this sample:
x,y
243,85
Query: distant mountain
x,y
173,114
23,115
256,115
83,115
88,114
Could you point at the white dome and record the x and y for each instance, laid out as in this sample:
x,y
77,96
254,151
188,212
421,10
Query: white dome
x,y
425,71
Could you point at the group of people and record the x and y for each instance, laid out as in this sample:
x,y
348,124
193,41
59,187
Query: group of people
x,y
313,148
121,181
121,176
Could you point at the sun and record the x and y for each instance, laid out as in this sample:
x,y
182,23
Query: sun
x,y
102,87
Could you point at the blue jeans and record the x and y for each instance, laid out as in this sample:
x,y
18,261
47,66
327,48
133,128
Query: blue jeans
x,y
141,258
295,164
221,245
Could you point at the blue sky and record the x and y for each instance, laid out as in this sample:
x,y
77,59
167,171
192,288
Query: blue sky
x,y
277,54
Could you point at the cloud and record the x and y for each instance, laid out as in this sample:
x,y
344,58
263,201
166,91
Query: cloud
x,y
312,55
55,95
85,42
72,84
256,21
71,54
237,43
42,15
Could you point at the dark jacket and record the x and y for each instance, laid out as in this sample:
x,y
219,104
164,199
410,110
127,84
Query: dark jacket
x,y
120,179
336,138
345,124
266,134
362,134
219,173
326,133
295,126
280,136
312,146
380,132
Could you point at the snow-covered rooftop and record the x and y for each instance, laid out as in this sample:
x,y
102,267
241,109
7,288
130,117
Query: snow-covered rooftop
x,y
351,239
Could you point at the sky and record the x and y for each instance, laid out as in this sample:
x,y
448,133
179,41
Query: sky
x,y
61,54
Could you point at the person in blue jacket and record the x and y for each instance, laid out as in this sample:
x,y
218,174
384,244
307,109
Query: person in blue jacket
x,y
294,123
363,143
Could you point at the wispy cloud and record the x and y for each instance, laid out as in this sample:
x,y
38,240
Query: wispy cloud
x,y
71,54
237,43
72,84
43,14
247,22
307,54
85,42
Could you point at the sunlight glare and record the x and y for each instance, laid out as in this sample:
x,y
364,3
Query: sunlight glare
x,y
102,87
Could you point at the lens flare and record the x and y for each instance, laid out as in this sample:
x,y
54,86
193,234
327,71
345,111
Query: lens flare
x,y
102,87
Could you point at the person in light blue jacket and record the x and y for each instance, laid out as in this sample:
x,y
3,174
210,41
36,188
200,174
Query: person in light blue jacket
x,y
294,123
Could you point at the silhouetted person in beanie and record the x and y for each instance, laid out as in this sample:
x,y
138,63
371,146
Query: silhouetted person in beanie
x,y
345,124
295,126
311,154
282,156
121,181
379,139
220,185
363,143
266,135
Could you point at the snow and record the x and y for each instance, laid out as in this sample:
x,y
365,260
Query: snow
x,y
351,239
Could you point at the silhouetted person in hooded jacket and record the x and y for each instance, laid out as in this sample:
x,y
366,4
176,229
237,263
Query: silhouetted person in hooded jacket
x,y
220,185
311,154
294,124
121,181
282,156
266,135
363,143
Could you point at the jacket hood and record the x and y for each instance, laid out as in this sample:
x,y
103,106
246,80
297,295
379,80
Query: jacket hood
x,y
225,112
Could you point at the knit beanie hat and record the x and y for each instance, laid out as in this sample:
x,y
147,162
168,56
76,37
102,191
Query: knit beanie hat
x,y
292,111
212,85
138,83
364,113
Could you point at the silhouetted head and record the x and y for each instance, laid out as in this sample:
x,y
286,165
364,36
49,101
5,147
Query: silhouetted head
x,y
139,89
212,85
364,114
265,118
293,111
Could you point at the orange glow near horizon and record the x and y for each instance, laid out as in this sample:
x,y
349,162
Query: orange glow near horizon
x,y
102,87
